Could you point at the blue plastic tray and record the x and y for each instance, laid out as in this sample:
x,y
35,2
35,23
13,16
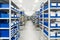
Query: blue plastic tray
x,y
4,25
46,23
4,15
4,33
46,32
4,5
45,15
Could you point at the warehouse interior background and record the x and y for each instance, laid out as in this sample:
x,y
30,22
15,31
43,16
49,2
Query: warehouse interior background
x,y
29,19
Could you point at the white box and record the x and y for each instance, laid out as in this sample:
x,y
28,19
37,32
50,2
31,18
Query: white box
x,y
58,24
58,4
53,24
58,14
58,33
52,13
52,33
53,4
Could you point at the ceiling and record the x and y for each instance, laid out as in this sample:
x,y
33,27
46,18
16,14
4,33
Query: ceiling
x,y
29,6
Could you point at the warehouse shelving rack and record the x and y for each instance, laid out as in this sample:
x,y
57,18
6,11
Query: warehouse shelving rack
x,y
51,19
41,16
9,20
37,18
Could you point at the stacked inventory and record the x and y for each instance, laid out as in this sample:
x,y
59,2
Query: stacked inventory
x,y
37,18
9,20
51,19
22,18
41,17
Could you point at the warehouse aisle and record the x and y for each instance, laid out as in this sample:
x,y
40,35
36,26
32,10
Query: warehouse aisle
x,y
30,32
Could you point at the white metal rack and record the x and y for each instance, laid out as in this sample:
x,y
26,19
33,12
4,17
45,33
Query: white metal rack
x,y
51,19
9,20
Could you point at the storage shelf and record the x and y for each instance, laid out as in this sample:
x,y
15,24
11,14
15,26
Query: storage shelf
x,y
6,20
50,18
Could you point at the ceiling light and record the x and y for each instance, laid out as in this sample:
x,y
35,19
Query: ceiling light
x,y
20,1
36,1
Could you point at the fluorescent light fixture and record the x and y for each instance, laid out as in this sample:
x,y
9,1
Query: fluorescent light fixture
x,y
29,13
20,1
36,1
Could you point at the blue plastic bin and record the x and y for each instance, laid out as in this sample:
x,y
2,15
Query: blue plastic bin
x,y
4,25
46,23
4,33
45,15
41,15
45,7
4,5
46,32
4,15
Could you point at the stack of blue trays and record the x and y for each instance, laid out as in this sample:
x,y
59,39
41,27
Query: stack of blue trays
x,y
4,24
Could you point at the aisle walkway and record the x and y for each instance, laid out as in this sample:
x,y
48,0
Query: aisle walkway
x,y
30,32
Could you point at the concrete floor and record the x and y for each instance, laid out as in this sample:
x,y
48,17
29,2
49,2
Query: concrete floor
x,y
30,32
